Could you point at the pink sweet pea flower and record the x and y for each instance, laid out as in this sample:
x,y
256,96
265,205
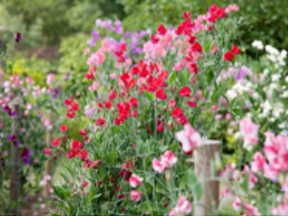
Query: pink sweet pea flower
x,y
188,137
249,131
135,195
113,76
135,180
94,86
50,78
248,127
168,158
237,204
258,163
172,103
158,166
183,207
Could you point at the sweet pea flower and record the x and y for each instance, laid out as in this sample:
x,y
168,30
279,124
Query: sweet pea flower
x,y
249,131
135,195
135,180
258,163
188,137
168,158
158,166
183,207
50,78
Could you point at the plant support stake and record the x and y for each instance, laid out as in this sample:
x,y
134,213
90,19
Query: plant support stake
x,y
203,157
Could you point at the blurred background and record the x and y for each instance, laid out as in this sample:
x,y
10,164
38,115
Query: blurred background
x,y
54,33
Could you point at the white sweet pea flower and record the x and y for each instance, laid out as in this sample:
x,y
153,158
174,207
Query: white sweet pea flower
x,y
275,77
257,44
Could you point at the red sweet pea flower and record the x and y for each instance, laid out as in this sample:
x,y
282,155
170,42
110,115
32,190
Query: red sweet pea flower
x,y
70,115
100,121
187,15
133,101
161,30
117,121
228,56
56,142
108,104
213,8
220,13
63,128
177,112
185,92
197,48
84,184
154,39
126,173
135,70
113,95
83,132
122,47
47,151
161,94
134,113
235,50
191,104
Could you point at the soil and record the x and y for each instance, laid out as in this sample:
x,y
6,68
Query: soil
x,y
32,207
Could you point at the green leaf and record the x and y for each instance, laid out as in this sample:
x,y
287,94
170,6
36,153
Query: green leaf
x,y
59,192
183,77
61,205
190,179
149,95
207,46
92,194
217,94
112,156
201,80
172,77
245,183
209,64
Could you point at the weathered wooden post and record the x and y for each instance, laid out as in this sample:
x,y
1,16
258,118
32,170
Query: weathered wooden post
x,y
48,165
15,162
203,155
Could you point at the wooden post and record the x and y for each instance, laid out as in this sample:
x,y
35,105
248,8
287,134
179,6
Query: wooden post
x,y
48,165
15,163
203,156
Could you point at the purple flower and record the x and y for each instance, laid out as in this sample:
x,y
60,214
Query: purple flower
x,y
127,34
98,95
25,155
9,137
141,34
95,35
91,42
118,23
118,29
242,73
108,24
276,181
237,77
134,41
171,28
18,37
99,22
